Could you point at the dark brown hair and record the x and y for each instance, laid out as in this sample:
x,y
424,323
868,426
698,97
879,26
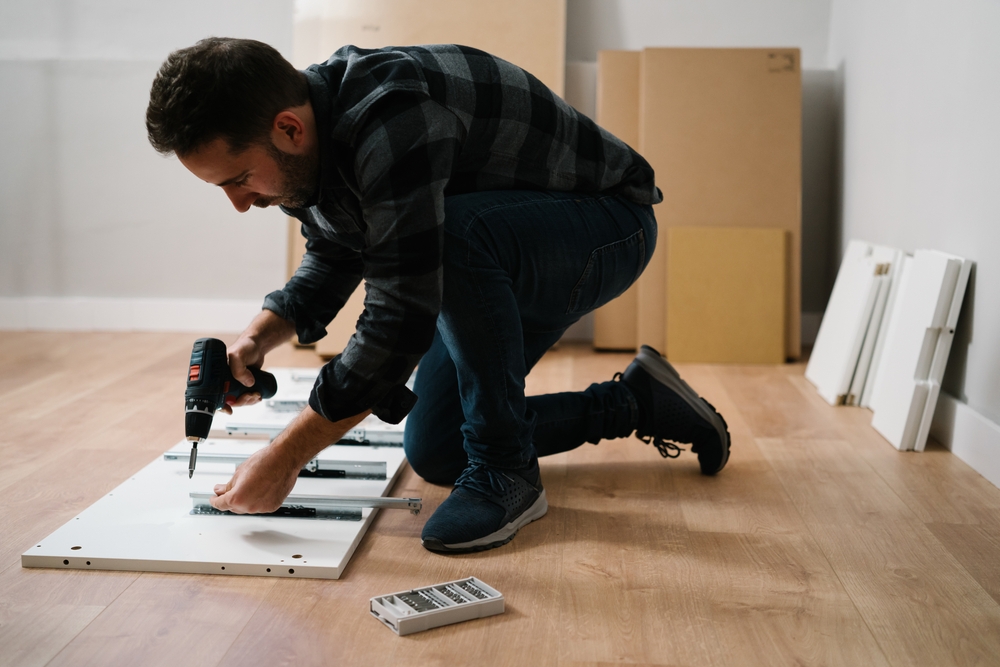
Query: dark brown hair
x,y
220,88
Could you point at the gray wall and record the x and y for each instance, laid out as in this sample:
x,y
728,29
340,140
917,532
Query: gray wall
x,y
921,140
87,208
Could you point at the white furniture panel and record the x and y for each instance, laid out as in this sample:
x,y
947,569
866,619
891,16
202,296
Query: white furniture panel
x,y
146,524
918,341
842,332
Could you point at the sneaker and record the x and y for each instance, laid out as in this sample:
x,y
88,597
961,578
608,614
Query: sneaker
x,y
670,412
486,509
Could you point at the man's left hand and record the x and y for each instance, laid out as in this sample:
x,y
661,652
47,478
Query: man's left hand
x,y
263,481
260,485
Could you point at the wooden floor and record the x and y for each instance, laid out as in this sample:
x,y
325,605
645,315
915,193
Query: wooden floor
x,y
819,544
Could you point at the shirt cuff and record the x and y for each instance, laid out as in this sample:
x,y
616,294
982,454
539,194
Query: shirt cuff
x,y
308,329
392,407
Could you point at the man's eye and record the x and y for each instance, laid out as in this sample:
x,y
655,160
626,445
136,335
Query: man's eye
x,y
242,181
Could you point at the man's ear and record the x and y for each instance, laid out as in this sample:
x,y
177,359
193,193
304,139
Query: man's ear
x,y
288,132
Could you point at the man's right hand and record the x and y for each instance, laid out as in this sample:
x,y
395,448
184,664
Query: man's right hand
x,y
265,333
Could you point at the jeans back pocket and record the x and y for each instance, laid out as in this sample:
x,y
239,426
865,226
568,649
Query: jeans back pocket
x,y
611,269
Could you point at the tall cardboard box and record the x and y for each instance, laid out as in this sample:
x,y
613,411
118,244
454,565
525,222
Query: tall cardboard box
x,y
528,33
722,129
615,326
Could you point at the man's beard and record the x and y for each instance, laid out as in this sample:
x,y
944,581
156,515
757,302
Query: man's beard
x,y
299,178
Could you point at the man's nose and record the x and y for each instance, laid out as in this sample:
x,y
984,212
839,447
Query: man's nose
x,y
241,199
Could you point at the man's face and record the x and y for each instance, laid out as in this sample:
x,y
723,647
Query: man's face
x,y
261,175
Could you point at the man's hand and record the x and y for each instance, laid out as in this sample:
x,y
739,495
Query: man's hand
x,y
265,333
265,479
260,484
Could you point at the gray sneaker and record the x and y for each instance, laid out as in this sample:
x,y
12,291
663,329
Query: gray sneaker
x,y
486,509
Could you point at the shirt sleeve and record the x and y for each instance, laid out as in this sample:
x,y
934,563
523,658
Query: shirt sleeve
x,y
405,154
326,278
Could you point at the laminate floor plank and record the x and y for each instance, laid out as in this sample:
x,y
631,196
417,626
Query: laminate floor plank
x,y
42,611
774,599
197,618
976,548
818,544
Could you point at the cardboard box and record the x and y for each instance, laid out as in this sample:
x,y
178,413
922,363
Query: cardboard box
x,y
528,33
618,113
726,294
722,129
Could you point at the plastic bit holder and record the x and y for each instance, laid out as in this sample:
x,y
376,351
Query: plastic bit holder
x,y
421,609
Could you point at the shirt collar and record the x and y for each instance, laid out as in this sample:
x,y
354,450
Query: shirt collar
x,y
319,98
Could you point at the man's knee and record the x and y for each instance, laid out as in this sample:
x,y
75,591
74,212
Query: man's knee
x,y
437,465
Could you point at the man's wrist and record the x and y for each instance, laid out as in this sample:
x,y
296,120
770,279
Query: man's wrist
x,y
268,330
309,434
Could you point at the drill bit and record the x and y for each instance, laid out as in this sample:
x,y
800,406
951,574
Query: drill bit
x,y
193,460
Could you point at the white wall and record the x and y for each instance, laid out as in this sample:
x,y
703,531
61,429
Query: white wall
x,y
87,208
921,140
593,25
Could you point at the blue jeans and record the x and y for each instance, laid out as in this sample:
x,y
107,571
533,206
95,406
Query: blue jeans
x,y
519,268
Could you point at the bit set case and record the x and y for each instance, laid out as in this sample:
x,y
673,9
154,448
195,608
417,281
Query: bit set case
x,y
421,609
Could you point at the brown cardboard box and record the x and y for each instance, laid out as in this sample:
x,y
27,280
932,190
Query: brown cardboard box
x,y
722,129
528,33
618,113
726,294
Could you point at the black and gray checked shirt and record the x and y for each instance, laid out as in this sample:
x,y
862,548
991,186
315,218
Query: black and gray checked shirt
x,y
400,129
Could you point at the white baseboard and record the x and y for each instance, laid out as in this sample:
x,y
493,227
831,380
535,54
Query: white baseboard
x,y
969,435
112,314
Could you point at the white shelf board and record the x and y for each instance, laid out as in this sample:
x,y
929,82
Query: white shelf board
x,y
841,334
146,525
918,341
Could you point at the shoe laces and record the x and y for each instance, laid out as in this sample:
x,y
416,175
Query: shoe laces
x,y
667,449
490,483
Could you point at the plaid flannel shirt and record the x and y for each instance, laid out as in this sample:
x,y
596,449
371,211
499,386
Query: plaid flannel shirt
x,y
401,128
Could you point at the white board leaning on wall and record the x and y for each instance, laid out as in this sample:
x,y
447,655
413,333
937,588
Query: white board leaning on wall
x,y
918,340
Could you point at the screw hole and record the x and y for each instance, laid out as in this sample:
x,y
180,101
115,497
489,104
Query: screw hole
x,y
76,548
291,571
268,569
88,562
65,562
223,567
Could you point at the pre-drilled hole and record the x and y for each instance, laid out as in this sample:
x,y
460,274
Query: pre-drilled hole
x,y
223,567
268,569
88,562
291,571
65,562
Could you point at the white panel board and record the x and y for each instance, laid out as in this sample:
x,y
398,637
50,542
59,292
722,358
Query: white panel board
x,y
887,261
895,259
146,524
842,332
918,342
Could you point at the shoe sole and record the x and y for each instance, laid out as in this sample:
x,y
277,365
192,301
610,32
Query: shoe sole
x,y
661,370
498,538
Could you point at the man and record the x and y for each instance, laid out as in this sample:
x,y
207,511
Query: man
x,y
485,216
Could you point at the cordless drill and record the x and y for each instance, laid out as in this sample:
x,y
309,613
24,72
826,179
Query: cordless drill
x,y
210,383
